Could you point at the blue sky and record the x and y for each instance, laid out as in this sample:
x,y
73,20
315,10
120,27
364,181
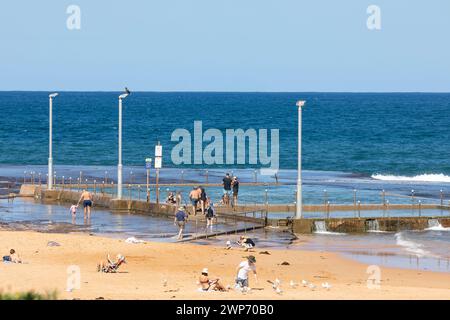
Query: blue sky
x,y
232,45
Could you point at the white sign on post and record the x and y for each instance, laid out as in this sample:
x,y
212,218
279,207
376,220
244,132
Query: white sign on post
x,y
158,163
158,151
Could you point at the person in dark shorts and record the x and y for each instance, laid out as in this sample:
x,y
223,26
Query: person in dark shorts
x,y
180,221
203,199
235,185
194,196
87,199
227,184
210,215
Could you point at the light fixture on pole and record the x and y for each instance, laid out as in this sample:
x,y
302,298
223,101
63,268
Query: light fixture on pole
x,y
298,213
119,166
50,147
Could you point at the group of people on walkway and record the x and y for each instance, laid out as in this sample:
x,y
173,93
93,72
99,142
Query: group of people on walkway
x,y
201,202
182,216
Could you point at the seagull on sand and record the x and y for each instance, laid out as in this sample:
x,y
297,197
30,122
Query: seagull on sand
x,y
326,285
311,286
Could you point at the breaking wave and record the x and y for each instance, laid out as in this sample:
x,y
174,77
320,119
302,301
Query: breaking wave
x,y
422,177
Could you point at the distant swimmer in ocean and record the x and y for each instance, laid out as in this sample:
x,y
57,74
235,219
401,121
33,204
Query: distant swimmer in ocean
x,y
87,199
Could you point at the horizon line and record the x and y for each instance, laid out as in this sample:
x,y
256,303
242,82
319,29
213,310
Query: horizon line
x,y
218,91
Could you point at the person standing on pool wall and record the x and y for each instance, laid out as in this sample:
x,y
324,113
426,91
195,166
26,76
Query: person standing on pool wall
x,y
226,182
235,185
87,199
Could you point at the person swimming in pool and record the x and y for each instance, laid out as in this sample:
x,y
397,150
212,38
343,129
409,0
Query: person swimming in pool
x,y
87,199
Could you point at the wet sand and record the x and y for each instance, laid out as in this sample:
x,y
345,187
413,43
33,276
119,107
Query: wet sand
x,y
151,265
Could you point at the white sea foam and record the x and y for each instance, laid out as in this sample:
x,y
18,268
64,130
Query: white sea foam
x,y
438,228
440,177
330,233
412,247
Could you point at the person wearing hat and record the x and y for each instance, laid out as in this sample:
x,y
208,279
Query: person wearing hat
x,y
242,272
210,284
180,221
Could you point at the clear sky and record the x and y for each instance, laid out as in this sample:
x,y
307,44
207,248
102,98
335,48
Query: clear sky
x,y
225,45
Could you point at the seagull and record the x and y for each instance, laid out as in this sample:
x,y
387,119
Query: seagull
x,y
278,290
228,245
311,286
164,283
305,283
127,91
326,285
276,284
293,284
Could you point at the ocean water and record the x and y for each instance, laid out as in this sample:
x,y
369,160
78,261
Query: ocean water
x,y
365,134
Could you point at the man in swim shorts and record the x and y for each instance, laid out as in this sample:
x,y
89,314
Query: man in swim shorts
x,y
87,199
194,196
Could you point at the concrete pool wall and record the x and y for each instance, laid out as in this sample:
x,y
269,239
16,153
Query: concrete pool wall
x,y
360,225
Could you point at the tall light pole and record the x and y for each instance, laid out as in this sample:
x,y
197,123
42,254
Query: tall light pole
x,y
298,213
119,166
50,147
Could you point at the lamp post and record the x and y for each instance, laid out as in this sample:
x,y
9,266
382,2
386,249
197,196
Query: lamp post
x,y
298,214
119,166
148,165
50,150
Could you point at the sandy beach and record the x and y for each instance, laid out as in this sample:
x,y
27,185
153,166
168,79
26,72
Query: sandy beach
x,y
170,271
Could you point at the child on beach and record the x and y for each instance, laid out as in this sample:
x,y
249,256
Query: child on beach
x,y
73,210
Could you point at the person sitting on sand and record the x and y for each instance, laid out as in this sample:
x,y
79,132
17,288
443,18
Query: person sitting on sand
x,y
210,284
242,272
111,266
13,257
87,199
247,243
